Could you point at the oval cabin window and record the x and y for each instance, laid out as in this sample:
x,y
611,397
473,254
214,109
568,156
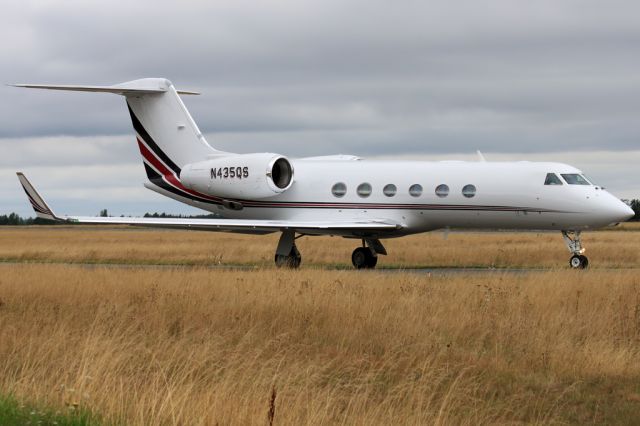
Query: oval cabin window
x,y
389,190
469,191
442,190
415,190
364,190
339,189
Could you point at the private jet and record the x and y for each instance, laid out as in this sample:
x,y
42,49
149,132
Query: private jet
x,y
339,195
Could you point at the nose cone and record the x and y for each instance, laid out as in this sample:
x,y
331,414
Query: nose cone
x,y
630,213
620,212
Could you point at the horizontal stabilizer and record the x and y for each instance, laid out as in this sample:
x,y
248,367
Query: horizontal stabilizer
x,y
144,86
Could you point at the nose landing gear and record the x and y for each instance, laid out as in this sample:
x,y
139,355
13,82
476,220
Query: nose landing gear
x,y
578,261
572,240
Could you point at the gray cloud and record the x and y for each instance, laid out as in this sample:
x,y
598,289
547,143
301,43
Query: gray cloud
x,y
309,78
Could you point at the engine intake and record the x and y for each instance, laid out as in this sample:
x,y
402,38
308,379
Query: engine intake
x,y
242,176
281,173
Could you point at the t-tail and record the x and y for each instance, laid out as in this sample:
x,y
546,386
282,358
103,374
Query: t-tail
x,y
167,136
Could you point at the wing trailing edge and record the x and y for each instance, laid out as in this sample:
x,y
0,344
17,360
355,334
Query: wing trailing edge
x,y
359,227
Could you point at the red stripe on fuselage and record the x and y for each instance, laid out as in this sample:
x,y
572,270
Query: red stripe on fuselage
x,y
168,175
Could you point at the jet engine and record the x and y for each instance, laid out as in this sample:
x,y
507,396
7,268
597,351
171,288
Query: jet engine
x,y
244,176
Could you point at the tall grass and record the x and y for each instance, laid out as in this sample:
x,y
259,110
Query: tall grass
x,y
322,347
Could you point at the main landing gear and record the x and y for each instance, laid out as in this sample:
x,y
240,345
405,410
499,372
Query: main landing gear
x,y
365,257
572,240
291,260
287,254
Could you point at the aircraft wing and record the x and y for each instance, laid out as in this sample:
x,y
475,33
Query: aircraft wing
x,y
357,227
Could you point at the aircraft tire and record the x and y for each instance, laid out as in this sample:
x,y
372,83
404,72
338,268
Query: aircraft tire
x,y
578,261
585,261
291,261
362,258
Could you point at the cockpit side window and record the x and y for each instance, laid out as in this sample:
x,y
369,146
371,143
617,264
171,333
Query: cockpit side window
x,y
575,179
552,179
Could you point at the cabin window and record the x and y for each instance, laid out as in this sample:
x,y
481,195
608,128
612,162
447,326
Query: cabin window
x,y
339,189
442,190
575,179
415,190
469,191
389,190
364,190
552,179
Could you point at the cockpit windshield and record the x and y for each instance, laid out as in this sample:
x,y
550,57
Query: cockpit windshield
x,y
575,179
552,179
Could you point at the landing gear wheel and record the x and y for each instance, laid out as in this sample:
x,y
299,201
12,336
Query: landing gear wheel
x,y
291,261
585,261
572,240
362,258
578,261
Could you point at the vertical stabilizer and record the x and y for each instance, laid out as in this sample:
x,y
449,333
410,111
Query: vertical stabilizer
x,y
165,128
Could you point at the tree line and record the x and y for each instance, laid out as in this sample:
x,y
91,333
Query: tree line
x,y
15,219
635,205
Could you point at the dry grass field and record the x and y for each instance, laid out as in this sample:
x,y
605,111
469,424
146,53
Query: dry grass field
x,y
612,248
195,345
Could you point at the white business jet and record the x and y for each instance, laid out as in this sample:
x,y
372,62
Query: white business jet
x,y
340,195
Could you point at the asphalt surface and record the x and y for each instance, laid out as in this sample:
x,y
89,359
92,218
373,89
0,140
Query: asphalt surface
x,y
229,267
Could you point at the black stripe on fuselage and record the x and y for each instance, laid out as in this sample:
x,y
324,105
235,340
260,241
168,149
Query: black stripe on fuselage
x,y
373,206
157,180
139,128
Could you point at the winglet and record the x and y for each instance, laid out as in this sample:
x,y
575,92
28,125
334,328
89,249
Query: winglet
x,y
39,205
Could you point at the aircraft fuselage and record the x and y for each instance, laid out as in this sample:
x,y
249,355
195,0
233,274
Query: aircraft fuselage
x,y
507,195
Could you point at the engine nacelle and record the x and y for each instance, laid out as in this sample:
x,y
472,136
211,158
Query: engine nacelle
x,y
245,176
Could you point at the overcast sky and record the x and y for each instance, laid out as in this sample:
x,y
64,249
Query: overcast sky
x,y
545,80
